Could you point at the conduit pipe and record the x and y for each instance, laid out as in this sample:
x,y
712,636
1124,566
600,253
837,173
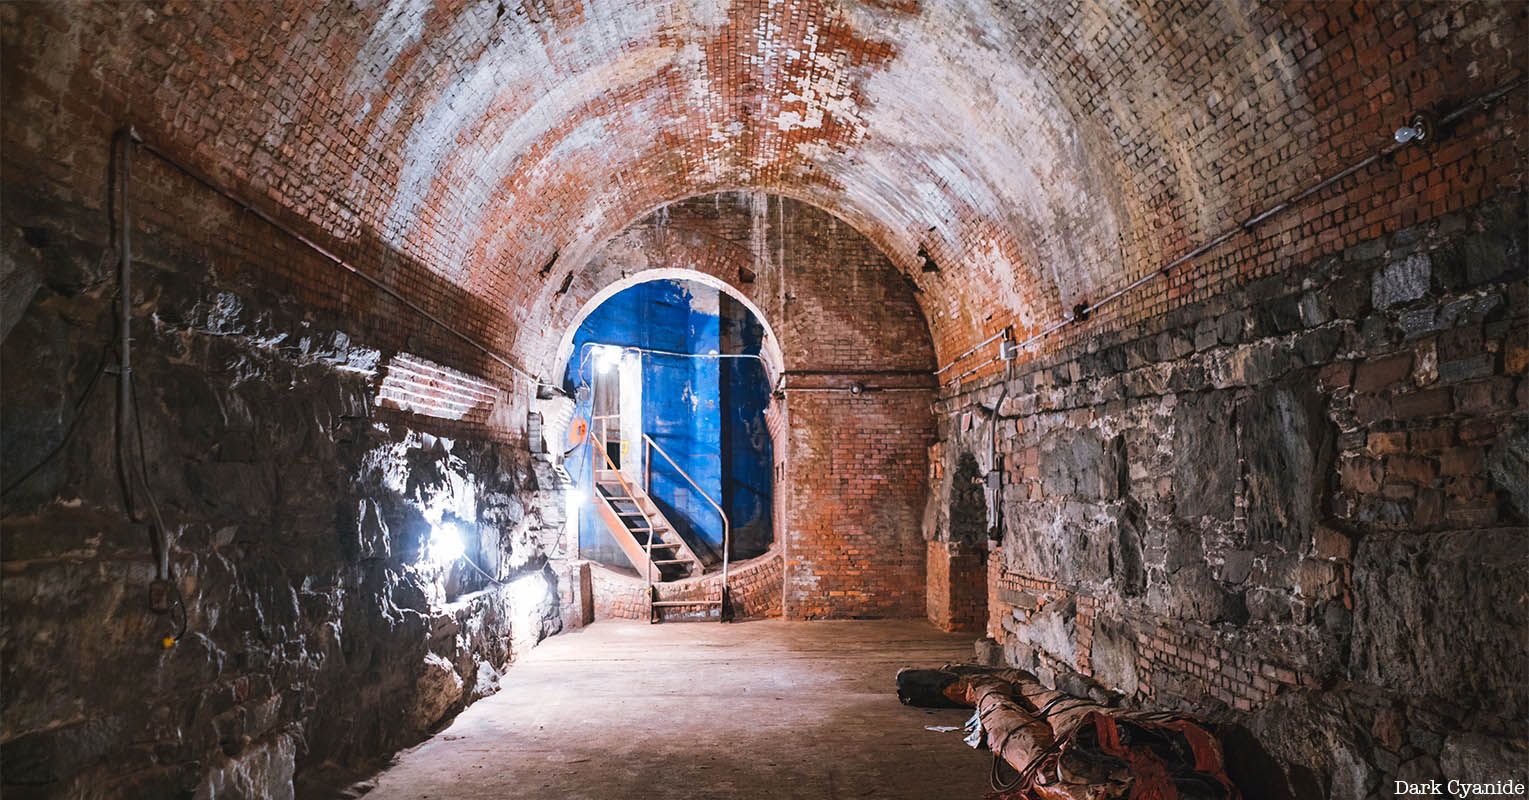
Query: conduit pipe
x,y
974,348
164,593
335,259
1481,102
124,141
861,390
585,348
127,406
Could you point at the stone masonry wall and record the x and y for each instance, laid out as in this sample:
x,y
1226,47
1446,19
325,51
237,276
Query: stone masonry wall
x,y
1298,508
318,634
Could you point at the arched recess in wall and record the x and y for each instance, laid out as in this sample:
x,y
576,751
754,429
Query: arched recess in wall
x,y
672,374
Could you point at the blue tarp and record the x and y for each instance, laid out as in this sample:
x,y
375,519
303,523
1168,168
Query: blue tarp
x,y
727,453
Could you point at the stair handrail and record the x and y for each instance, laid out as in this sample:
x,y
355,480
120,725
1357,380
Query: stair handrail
x,y
726,526
594,485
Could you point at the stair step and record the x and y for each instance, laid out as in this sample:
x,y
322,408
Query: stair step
x,y
672,561
673,603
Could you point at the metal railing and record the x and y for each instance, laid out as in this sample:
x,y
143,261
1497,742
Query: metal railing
x,y
598,442
727,545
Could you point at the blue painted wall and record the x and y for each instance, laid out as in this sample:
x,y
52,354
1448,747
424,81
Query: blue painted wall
x,y
706,413
746,448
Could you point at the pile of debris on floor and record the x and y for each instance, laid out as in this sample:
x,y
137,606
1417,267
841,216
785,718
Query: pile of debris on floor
x,y
1054,746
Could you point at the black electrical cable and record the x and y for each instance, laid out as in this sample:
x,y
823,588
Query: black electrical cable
x,y
180,602
74,423
162,534
128,405
1023,776
475,566
998,784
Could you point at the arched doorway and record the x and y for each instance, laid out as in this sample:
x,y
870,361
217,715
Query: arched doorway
x,y
850,415
672,373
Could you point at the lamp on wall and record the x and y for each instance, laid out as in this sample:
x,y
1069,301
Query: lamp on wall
x,y
606,357
445,544
1419,131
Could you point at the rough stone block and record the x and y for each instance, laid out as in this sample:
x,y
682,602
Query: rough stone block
x,y
1381,443
1474,758
1464,369
1204,452
1414,405
1377,374
1484,397
1078,463
1285,440
1401,281
1508,465
1114,657
1444,615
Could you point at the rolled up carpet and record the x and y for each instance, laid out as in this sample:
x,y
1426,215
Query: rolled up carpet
x,y
1068,748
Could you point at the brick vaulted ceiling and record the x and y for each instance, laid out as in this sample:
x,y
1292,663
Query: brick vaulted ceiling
x,y
1044,152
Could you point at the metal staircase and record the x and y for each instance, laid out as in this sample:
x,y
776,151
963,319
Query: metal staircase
x,y
653,545
644,534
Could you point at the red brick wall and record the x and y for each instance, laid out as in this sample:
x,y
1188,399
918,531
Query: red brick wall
x,y
854,500
754,587
958,589
1072,147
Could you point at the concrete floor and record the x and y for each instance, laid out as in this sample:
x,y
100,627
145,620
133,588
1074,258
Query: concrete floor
x,y
764,709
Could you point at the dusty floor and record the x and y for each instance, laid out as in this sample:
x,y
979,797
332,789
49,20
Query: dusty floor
x,y
703,710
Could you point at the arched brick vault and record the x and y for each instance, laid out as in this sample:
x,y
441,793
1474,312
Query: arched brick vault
x,y
1044,153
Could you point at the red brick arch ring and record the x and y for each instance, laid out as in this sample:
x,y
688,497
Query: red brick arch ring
x,y
712,275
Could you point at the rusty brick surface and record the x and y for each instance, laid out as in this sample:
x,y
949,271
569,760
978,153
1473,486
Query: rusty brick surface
x,y
1044,155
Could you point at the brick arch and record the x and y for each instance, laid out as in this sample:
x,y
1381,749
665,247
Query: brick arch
x,y
1045,154
715,278
850,467
722,259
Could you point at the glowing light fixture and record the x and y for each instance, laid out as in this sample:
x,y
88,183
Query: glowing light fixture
x,y
1420,130
606,357
445,544
528,592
